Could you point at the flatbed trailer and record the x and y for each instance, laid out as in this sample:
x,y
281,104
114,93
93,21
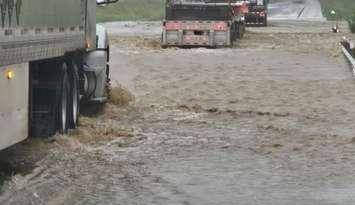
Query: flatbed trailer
x,y
209,23
52,55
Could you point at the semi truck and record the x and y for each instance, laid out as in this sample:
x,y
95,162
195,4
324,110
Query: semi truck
x,y
207,23
52,56
258,13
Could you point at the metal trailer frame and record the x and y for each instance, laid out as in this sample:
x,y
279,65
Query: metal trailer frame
x,y
196,33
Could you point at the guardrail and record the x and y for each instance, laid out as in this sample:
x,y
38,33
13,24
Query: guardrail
x,y
348,52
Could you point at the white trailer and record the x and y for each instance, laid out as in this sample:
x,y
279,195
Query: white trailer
x,y
52,55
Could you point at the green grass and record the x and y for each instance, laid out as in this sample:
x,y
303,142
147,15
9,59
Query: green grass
x,y
131,10
153,10
345,10
352,24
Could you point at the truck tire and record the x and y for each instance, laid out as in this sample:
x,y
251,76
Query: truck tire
x,y
265,21
74,97
64,91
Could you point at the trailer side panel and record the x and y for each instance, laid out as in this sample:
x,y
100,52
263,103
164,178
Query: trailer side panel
x,y
40,29
14,104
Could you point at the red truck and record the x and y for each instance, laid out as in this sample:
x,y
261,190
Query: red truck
x,y
209,23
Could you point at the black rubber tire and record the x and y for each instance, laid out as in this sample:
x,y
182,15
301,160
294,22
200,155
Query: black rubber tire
x,y
265,21
62,119
74,97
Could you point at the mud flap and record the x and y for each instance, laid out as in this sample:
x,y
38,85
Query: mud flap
x,y
228,38
181,37
163,38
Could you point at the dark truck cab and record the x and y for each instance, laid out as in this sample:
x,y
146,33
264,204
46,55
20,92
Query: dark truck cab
x,y
258,13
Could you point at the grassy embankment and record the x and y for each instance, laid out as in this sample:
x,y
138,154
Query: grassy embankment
x,y
149,10
345,10
132,10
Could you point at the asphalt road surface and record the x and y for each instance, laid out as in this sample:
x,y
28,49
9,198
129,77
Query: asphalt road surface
x,y
296,10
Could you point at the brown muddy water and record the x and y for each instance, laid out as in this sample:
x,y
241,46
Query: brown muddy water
x,y
269,122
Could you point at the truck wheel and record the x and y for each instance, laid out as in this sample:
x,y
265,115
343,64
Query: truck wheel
x,y
74,100
63,102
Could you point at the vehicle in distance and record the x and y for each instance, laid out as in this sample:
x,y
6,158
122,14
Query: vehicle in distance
x,y
258,13
207,23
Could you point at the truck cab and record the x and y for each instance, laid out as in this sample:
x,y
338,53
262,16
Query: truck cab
x,y
258,13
